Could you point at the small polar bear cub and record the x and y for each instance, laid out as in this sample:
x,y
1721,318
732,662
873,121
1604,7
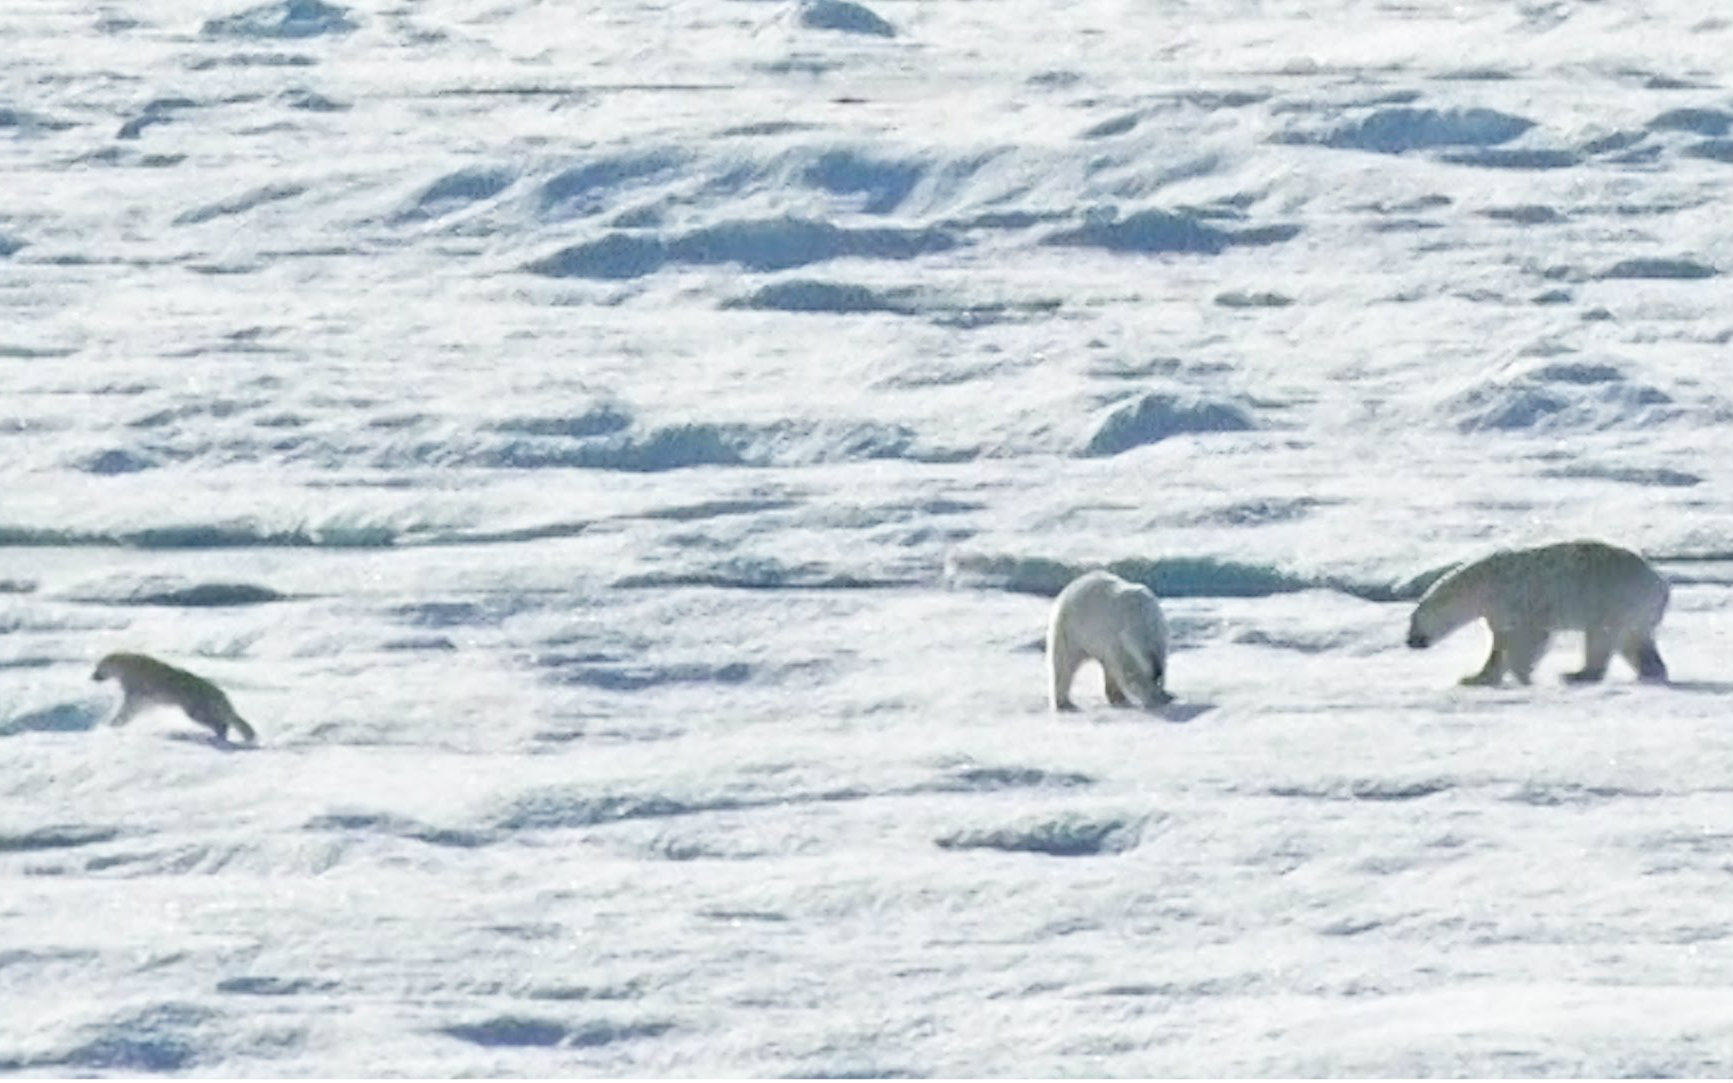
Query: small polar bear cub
x,y
1611,595
146,683
1119,624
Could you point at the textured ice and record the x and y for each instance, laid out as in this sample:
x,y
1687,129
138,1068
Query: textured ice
x,y
621,457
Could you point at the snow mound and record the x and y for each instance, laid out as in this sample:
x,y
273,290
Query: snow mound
x,y
1154,231
163,1037
847,17
287,19
772,244
762,573
174,591
601,441
1707,122
1253,299
588,187
994,779
393,826
806,295
1401,129
56,837
635,677
1652,267
1158,415
883,183
1364,789
1514,158
1559,395
520,1031
60,718
456,192
113,461
1068,835
240,204
601,419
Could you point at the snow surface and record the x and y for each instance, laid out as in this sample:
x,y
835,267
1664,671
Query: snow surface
x,y
619,456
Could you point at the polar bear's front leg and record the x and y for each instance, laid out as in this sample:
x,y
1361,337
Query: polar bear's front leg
x,y
1062,660
1493,671
1522,650
1137,676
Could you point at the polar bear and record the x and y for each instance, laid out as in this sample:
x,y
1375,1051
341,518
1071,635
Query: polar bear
x,y
1612,595
1119,624
146,683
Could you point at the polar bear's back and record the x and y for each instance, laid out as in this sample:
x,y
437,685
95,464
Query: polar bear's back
x,y
1578,585
1097,607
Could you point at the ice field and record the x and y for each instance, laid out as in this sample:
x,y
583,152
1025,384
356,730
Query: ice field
x,y
620,456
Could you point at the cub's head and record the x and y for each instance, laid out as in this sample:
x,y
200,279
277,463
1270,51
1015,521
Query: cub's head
x,y
117,666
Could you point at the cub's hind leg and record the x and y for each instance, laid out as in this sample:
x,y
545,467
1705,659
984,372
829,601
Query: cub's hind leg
x,y
220,716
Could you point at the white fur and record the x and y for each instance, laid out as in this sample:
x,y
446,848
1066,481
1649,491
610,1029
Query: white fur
x,y
1119,624
1611,595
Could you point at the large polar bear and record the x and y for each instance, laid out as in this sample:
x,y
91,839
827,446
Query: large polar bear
x,y
1119,624
1611,595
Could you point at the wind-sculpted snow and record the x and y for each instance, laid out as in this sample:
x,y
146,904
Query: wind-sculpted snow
x,y
288,19
1401,129
167,591
1062,836
763,245
1170,577
1578,396
621,459
1165,231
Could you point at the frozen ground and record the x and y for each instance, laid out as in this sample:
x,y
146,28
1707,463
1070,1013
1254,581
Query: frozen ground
x,y
619,456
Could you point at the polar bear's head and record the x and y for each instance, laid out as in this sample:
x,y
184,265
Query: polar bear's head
x,y
1446,606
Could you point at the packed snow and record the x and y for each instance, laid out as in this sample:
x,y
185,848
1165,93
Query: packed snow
x,y
620,457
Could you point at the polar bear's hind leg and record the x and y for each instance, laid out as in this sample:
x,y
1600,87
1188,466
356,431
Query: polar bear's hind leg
x,y
1639,650
1115,694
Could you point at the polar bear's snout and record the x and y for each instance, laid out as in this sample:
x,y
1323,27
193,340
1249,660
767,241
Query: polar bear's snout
x,y
1417,640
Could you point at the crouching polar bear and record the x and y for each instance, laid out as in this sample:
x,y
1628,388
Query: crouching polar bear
x,y
146,683
1119,624
1611,595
